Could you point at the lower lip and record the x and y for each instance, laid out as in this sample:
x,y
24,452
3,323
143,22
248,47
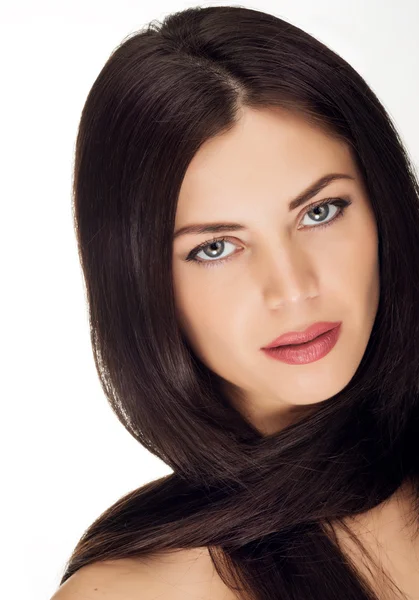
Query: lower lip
x,y
301,354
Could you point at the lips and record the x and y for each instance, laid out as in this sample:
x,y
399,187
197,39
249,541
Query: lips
x,y
302,337
307,352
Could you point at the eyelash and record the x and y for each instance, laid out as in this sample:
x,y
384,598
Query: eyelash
x,y
339,202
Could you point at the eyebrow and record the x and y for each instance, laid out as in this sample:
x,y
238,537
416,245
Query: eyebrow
x,y
302,198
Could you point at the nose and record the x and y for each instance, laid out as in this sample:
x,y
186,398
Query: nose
x,y
287,276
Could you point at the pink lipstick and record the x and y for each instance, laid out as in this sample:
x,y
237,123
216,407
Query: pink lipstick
x,y
302,347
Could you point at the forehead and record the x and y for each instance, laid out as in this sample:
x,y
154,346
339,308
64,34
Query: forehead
x,y
267,150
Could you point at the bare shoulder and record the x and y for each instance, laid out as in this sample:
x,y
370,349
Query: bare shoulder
x,y
123,579
172,575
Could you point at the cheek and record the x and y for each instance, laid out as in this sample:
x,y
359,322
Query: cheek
x,y
353,267
205,309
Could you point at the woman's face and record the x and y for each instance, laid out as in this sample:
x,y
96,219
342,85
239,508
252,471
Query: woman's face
x,y
284,271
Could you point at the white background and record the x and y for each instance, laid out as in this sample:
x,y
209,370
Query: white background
x,y
65,457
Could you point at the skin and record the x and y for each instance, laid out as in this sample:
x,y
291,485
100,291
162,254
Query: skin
x,y
390,533
287,272
283,277
190,573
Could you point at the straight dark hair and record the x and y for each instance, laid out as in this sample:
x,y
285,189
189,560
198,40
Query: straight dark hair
x,y
264,505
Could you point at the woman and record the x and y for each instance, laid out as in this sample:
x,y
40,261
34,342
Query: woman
x,y
228,138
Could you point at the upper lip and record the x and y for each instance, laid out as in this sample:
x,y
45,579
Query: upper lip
x,y
299,337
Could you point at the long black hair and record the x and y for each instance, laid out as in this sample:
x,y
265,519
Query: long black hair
x,y
264,505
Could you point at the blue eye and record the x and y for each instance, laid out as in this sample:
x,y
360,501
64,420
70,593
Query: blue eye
x,y
322,209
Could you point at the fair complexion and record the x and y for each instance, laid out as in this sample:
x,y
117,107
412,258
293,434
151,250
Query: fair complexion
x,y
389,532
282,269
282,276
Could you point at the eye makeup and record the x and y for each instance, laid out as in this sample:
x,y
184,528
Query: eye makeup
x,y
340,203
